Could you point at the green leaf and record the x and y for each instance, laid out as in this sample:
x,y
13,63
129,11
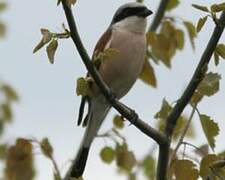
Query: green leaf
x,y
184,169
220,50
83,87
46,148
218,7
107,154
210,84
191,32
210,128
148,75
172,4
149,167
200,7
201,23
51,49
205,164
118,122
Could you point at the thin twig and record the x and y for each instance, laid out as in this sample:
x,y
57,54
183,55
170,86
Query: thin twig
x,y
186,96
183,135
159,15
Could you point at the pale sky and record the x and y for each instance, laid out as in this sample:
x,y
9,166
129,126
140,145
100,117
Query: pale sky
x,y
48,104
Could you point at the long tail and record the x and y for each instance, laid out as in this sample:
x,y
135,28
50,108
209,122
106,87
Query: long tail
x,y
98,112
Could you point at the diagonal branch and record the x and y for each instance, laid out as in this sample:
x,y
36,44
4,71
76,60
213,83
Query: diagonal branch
x,y
128,113
159,15
186,96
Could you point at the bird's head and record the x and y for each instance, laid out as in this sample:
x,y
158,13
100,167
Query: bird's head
x,y
131,16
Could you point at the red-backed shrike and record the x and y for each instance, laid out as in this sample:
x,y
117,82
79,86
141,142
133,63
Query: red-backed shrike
x,y
126,34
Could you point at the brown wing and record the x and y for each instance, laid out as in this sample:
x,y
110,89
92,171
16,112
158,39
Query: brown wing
x,y
102,43
100,46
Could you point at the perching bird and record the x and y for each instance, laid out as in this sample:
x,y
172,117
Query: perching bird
x,y
126,35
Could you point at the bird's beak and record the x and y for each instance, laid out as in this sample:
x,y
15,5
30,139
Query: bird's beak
x,y
147,12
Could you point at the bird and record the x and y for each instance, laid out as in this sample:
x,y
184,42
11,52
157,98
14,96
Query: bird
x,y
126,35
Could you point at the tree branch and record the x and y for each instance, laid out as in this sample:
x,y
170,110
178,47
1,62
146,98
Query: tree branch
x,y
185,98
159,15
126,112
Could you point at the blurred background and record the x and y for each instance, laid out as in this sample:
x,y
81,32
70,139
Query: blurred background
x,y
48,105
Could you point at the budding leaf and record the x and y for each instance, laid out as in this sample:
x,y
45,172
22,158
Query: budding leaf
x,y
201,23
107,154
201,8
118,122
46,38
83,87
51,49
46,148
210,128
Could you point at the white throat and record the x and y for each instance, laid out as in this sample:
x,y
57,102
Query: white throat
x,y
132,23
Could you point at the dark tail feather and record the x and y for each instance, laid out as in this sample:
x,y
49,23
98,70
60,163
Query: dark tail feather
x,y
80,162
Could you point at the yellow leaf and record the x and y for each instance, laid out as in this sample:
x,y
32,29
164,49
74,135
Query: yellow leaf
x,y
210,128
205,164
179,38
148,75
51,49
201,23
191,32
19,163
172,4
184,170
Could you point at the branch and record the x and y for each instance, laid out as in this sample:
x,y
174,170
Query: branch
x,y
185,98
159,15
